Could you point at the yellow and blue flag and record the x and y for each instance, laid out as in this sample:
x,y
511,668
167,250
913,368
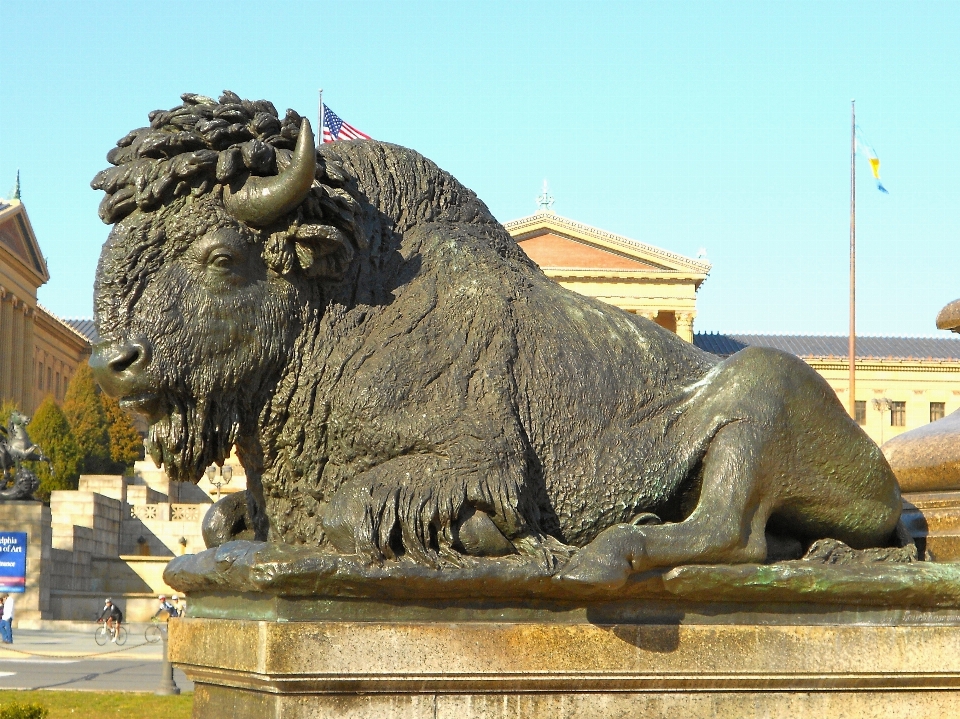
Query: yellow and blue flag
x,y
865,149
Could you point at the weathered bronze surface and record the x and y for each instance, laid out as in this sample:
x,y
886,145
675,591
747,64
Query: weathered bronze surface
x,y
949,317
406,388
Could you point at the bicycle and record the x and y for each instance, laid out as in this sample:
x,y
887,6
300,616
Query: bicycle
x,y
154,632
103,634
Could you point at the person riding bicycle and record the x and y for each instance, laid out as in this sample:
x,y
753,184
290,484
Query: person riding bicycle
x,y
166,606
114,617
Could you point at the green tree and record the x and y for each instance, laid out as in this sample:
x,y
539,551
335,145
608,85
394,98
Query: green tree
x,y
126,445
50,430
88,421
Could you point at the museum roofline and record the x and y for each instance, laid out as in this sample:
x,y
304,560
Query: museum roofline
x,y
83,326
937,349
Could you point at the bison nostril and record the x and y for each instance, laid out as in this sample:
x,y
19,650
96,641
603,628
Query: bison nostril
x,y
110,360
128,355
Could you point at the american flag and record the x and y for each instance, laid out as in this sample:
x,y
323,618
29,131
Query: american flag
x,y
336,129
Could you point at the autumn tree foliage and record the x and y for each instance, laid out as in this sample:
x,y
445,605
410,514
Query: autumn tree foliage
x,y
126,445
84,411
6,407
50,430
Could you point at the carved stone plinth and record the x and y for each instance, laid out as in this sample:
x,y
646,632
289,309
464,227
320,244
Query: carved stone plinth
x,y
363,658
933,518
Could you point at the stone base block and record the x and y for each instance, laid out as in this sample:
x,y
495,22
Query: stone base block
x,y
212,701
567,669
933,518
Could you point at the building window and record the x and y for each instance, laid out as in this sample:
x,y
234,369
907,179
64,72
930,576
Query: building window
x,y
898,414
58,386
40,378
860,411
937,410
49,379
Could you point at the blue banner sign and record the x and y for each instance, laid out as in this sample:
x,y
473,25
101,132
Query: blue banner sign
x,y
13,561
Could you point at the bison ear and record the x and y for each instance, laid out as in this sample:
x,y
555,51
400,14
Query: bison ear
x,y
323,251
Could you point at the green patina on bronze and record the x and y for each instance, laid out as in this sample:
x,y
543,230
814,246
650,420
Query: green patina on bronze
x,y
277,573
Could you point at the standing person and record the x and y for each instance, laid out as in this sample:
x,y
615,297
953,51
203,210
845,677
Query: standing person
x,y
114,617
6,620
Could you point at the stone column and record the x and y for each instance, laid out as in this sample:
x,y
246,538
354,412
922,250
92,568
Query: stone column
x,y
17,355
685,325
6,346
649,314
29,361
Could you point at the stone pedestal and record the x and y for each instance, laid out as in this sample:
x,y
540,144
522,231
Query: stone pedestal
x,y
34,519
311,658
926,461
933,518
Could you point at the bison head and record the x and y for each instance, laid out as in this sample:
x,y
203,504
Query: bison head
x,y
222,243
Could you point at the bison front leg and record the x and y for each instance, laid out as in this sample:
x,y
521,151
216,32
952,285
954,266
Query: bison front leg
x,y
421,508
727,525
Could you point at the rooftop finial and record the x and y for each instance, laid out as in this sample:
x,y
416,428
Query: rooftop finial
x,y
545,200
15,192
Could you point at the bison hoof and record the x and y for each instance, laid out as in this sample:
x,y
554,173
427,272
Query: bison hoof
x,y
478,536
226,520
608,560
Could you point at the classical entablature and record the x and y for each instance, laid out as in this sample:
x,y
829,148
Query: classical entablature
x,y
38,352
637,277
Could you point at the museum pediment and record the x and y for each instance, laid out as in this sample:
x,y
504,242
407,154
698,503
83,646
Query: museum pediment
x,y
557,243
17,237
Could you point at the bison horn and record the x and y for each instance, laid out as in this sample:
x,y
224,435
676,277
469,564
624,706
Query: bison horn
x,y
262,200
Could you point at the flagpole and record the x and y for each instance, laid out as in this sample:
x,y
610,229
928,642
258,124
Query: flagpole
x,y
852,348
320,118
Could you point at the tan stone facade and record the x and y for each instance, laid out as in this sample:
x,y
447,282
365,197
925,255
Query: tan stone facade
x,y
637,277
111,537
897,394
38,351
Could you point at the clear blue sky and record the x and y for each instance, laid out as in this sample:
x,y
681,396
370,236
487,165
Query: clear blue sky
x,y
722,125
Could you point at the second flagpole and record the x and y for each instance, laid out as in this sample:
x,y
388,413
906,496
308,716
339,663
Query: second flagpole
x,y
852,347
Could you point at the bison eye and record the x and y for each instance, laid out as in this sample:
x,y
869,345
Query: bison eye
x,y
220,259
223,257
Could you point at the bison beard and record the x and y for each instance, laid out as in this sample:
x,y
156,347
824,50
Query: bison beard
x,y
194,436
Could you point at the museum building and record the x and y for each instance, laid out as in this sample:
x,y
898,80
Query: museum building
x,y
39,352
637,277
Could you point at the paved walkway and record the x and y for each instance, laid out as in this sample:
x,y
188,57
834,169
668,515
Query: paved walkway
x,y
45,659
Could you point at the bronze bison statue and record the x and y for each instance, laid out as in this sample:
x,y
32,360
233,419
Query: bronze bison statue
x,y
402,382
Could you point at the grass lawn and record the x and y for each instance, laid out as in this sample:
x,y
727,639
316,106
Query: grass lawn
x,y
94,705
